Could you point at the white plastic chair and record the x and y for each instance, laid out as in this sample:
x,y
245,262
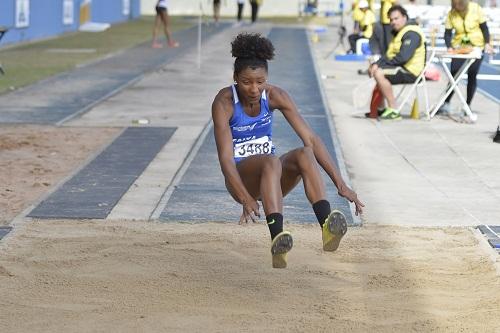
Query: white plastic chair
x,y
359,45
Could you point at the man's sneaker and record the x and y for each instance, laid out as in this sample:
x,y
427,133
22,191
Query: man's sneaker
x,y
280,246
390,114
333,230
444,110
379,113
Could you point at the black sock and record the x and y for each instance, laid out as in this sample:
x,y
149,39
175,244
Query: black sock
x,y
275,224
322,210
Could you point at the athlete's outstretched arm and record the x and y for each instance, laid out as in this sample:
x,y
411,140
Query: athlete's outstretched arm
x,y
281,100
221,114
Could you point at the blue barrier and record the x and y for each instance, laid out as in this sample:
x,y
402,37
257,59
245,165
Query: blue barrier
x,y
30,20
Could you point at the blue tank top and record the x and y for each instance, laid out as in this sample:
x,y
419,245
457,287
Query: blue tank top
x,y
251,135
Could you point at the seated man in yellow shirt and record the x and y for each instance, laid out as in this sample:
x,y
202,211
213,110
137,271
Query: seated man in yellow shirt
x,y
364,26
403,61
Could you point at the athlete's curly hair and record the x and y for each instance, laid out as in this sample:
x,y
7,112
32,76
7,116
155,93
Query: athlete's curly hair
x,y
251,50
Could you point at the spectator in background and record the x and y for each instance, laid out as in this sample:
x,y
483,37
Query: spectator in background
x,y
240,4
357,14
468,22
364,27
216,8
162,19
403,61
414,12
255,9
386,37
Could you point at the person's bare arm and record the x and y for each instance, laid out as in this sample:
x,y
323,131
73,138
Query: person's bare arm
x,y
279,99
221,114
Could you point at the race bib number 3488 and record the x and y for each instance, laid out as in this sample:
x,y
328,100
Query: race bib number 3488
x,y
258,146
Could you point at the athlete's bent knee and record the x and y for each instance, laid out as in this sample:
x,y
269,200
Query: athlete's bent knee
x,y
305,157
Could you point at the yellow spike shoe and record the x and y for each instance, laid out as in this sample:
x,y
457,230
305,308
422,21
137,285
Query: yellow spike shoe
x,y
334,229
281,245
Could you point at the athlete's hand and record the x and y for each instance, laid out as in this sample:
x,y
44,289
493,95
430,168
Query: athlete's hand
x,y
350,195
250,212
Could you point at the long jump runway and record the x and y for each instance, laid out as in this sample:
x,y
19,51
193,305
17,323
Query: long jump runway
x,y
64,96
200,194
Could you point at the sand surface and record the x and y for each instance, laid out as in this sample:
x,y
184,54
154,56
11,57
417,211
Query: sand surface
x,y
33,159
123,276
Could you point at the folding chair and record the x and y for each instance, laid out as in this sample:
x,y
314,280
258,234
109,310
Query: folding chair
x,y
421,81
3,30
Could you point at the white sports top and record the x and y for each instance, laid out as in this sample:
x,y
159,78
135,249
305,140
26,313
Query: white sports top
x,y
162,3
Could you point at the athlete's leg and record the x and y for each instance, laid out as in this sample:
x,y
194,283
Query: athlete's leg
x,y
261,176
299,164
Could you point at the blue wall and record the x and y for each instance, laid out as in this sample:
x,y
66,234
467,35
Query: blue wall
x,y
45,17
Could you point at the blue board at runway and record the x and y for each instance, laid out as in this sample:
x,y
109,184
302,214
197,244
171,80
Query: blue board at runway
x,y
492,234
201,196
4,231
94,191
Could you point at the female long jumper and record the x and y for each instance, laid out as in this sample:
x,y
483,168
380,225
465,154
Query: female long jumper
x,y
243,118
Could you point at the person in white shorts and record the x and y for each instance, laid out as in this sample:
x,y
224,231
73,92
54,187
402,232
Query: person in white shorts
x,y
162,19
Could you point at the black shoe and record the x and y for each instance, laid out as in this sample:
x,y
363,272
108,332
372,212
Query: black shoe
x,y
363,71
497,136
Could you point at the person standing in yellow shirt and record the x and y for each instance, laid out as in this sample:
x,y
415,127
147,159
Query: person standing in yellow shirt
x,y
385,5
467,21
364,26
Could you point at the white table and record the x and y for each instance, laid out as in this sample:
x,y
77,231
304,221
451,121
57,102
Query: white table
x,y
469,58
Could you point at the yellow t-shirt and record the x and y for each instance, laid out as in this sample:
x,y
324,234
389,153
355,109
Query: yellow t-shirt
x,y
384,9
367,21
467,28
357,14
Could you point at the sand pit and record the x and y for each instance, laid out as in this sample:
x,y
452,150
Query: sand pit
x,y
35,158
127,276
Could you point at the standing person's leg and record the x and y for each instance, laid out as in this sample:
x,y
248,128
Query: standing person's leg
x,y
377,39
156,28
216,10
166,23
254,10
261,176
240,11
472,79
387,37
301,164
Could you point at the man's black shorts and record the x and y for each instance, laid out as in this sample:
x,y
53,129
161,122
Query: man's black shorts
x,y
398,75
